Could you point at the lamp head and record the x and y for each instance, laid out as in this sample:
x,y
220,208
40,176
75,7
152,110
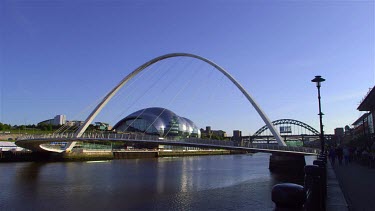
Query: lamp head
x,y
318,79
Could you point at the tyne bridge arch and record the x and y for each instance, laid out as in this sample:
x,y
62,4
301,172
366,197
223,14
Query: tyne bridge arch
x,y
289,129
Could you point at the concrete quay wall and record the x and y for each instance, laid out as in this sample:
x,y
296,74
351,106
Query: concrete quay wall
x,y
102,155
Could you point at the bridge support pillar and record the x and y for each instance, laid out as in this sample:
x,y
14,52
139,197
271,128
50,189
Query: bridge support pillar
x,y
284,163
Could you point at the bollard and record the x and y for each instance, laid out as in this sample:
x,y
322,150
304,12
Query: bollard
x,y
288,196
319,163
323,174
322,155
313,187
322,158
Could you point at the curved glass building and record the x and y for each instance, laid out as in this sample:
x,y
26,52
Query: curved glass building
x,y
158,121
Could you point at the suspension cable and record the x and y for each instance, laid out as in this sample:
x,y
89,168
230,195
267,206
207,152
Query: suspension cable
x,y
162,76
153,73
183,88
185,106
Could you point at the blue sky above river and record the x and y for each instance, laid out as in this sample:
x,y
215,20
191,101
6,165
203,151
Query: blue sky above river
x,y
58,57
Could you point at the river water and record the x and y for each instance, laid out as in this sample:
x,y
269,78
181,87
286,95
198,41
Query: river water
x,y
226,182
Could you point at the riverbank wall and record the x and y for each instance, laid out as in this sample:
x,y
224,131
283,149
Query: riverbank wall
x,y
104,155
192,153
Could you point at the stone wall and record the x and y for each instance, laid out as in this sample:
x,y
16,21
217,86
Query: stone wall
x,y
6,137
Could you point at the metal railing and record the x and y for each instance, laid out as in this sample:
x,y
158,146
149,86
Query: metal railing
x,y
157,139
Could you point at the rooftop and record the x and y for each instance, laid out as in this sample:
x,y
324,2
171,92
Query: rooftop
x,y
360,119
368,103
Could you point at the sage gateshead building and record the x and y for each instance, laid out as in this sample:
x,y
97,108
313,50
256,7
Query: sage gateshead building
x,y
158,121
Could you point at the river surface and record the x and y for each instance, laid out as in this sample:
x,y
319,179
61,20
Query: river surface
x,y
225,182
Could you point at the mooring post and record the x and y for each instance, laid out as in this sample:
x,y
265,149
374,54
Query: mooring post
x,y
288,196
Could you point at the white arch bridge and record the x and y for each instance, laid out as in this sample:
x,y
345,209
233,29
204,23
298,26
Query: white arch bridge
x,y
38,143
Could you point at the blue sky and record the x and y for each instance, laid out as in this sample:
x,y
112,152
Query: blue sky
x,y
58,57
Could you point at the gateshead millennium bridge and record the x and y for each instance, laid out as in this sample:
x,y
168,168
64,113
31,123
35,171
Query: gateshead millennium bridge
x,y
40,143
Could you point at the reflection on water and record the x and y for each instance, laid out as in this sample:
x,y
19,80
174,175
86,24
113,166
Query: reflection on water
x,y
228,182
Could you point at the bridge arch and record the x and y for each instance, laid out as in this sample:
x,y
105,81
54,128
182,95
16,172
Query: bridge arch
x,y
290,122
108,97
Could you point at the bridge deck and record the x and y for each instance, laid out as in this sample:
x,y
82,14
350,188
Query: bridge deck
x,y
38,143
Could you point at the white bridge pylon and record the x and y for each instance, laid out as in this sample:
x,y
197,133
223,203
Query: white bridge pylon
x,y
109,96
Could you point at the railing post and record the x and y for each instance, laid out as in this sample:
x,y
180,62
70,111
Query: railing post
x,y
323,174
313,187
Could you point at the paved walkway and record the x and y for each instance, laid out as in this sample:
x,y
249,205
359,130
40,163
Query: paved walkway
x,y
335,197
358,185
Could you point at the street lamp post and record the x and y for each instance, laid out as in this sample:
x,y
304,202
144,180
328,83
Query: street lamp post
x,y
318,79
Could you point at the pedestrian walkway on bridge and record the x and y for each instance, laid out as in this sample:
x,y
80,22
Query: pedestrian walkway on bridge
x,y
358,185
